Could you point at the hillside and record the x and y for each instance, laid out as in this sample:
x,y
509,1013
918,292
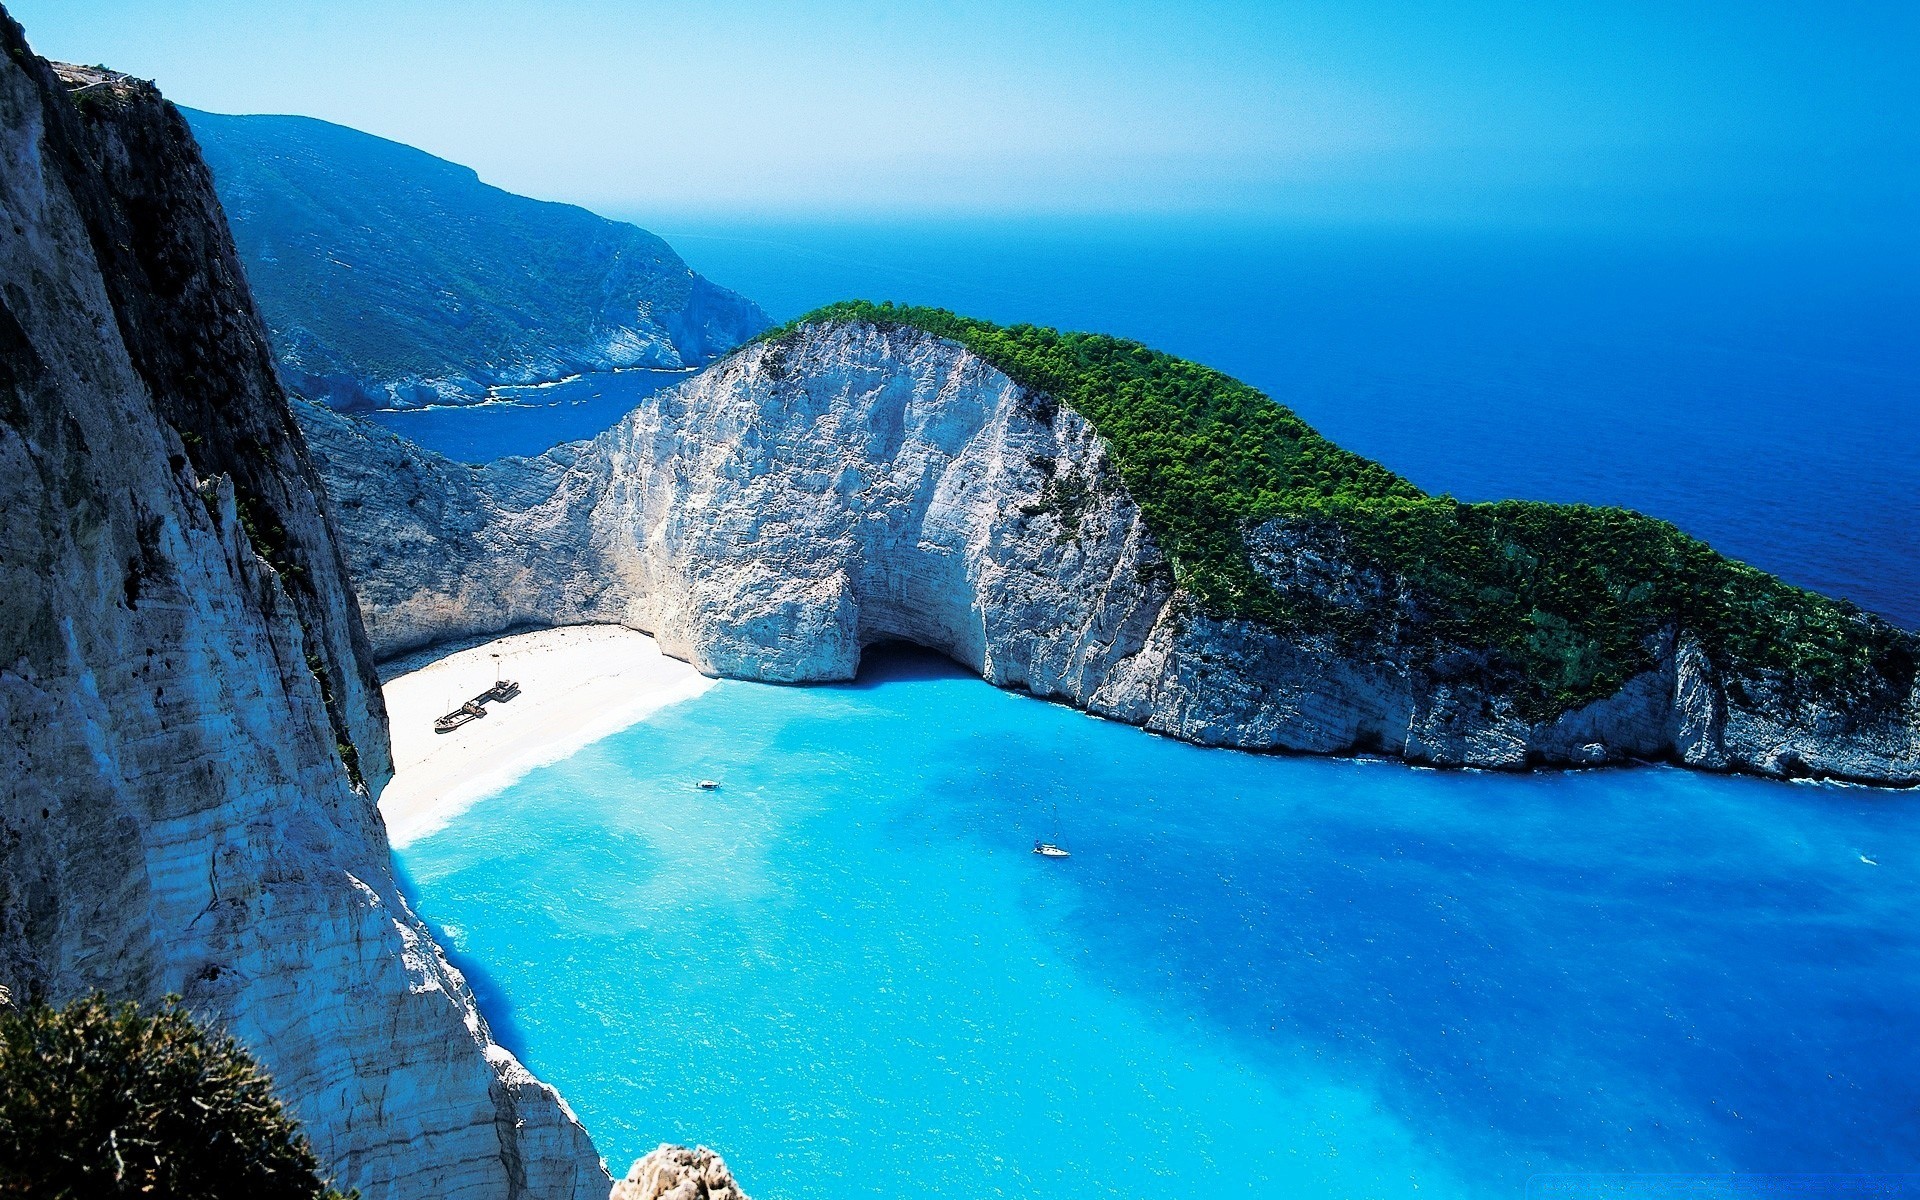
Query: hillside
x,y
391,278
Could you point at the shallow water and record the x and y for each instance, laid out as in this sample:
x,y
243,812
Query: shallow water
x,y
1256,976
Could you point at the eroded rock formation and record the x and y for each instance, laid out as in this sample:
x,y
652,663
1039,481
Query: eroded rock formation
x,y
677,1173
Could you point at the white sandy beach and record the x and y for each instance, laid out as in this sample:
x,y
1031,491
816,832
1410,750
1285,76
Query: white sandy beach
x,y
577,684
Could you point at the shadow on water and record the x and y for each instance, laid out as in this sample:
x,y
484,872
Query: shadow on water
x,y
904,662
488,994
1531,970
528,421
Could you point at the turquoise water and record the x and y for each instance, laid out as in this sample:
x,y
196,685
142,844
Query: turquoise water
x,y
1256,976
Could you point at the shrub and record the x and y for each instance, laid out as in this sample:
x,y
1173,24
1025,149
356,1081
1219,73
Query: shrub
x,y
102,1100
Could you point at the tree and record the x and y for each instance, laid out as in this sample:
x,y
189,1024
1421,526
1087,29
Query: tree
x,y
103,1100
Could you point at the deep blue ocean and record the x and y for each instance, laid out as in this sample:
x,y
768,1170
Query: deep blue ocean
x,y
1255,977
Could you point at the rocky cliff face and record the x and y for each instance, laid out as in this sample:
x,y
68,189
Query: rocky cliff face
x,y
391,278
189,720
849,485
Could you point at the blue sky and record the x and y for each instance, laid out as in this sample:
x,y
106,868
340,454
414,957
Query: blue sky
x,y
1473,110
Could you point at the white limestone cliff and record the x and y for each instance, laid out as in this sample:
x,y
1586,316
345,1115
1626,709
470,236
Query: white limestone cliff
x,y
190,725
848,485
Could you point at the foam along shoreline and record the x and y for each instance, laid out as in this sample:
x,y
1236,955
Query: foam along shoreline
x,y
577,685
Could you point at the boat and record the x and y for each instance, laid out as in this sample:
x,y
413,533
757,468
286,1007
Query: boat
x,y
474,709
1051,847
707,785
470,711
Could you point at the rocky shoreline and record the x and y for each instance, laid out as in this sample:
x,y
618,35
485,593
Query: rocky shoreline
x,y
201,577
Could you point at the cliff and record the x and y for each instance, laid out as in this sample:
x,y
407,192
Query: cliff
x,y
189,719
391,278
857,481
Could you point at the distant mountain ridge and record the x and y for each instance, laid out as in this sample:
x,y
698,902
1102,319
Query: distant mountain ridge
x,y
391,279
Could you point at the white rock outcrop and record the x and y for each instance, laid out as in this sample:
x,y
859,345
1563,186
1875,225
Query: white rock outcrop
x,y
849,484
677,1173
190,726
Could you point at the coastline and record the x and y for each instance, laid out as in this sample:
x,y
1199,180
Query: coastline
x,y
494,397
578,683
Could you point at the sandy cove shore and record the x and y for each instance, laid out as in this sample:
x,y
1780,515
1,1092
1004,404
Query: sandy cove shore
x,y
577,684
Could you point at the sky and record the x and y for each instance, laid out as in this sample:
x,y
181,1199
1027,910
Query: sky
x,y
1739,113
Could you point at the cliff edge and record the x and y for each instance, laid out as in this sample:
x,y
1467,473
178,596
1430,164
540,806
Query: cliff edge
x,y
860,479
190,723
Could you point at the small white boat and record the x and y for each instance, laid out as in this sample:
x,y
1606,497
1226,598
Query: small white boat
x,y
1051,848
707,785
1870,862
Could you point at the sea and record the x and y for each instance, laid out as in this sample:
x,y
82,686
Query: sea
x,y
1261,976
529,419
1255,976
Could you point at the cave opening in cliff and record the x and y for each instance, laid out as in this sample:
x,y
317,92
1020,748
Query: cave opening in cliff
x,y
896,659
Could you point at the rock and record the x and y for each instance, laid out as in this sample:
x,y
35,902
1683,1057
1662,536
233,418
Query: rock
x,y
190,727
677,1173
849,484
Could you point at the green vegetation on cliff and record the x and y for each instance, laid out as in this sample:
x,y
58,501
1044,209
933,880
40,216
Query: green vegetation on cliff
x,y
104,1100
1563,597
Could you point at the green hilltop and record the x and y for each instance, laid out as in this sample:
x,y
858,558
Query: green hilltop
x,y
1563,596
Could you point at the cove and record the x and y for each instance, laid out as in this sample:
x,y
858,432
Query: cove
x,y
1256,976
528,419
